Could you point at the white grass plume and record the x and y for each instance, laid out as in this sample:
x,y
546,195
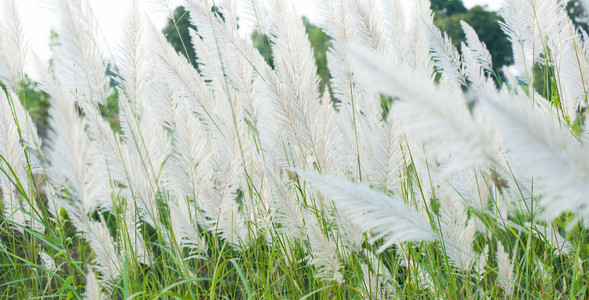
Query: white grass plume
x,y
479,50
339,25
387,158
378,278
394,15
505,271
134,61
428,112
458,231
296,92
148,147
388,218
183,218
13,45
538,146
226,61
106,255
92,291
324,252
217,201
371,26
571,71
476,59
18,163
132,224
286,211
17,138
71,151
79,58
190,165
475,73
446,56
181,77
48,261
416,50
96,233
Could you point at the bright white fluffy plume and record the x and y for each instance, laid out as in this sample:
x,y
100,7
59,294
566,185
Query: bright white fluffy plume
x,y
538,146
505,266
388,218
92,288
79,55
13,46
429,113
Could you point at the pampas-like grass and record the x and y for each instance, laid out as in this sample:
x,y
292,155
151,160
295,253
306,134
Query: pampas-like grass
x,y
71,153
185,229
242,180
13,45
458,232
134,61
479,50
96,233
505,266
447,114
79,57
538,146
387,217
324,253
370,25
445,55
19,162
17,136
92,288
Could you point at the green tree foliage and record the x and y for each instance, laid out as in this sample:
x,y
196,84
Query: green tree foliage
x,y
484,22
578,14
445,8
262,43
35,101
176,32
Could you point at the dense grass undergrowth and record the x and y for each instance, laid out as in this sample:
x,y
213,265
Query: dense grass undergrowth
x,y
242,180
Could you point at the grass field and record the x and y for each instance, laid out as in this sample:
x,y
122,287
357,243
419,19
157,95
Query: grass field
x,y
422,173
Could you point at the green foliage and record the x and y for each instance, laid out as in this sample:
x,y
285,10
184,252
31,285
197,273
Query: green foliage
x,y
35,101
262,43
485,23
578,14
445,8
176,32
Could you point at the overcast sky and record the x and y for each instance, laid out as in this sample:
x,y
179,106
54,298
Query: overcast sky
x,y
39,20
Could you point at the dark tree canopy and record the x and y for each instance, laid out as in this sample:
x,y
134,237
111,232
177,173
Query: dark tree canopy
x,y
484,22
262,43
578,14
176,32
445,8
320,42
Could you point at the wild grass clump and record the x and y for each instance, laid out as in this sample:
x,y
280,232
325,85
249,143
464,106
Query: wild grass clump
x,y
241,180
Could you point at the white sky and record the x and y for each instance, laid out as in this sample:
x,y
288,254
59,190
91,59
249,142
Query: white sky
x,y
39,20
